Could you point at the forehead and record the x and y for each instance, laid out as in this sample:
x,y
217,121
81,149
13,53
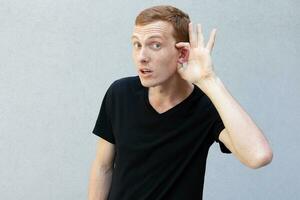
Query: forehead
x,y
160,29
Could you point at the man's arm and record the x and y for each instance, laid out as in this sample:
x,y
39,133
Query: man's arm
x,y
101,171
241,135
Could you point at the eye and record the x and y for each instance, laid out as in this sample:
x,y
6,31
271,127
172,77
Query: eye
x,y
156,45
136,45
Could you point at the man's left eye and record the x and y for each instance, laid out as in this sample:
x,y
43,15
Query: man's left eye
x,y
156,45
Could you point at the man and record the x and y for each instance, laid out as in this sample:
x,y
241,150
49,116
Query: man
x,y
156,128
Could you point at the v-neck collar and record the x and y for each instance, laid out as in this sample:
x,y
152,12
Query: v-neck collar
x,y
174,109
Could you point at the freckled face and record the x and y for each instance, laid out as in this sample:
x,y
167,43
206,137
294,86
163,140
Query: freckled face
x,y
154,53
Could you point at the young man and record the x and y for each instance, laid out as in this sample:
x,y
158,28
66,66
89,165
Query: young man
x,y
156,128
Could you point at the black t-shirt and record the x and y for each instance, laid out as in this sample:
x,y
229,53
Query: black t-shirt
x,y
158,156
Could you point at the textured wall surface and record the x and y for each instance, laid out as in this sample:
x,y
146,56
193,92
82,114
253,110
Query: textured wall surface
x,y
57,59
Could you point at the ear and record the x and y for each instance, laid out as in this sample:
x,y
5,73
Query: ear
x,y
183,55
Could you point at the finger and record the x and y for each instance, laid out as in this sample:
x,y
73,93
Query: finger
x,y
183,44
192,36
200,36
211,41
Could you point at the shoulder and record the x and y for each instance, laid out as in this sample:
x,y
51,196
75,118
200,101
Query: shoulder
x,y
202,99
125,81
125,85
204,103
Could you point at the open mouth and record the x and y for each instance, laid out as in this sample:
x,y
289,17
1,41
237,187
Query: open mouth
x,y
145,71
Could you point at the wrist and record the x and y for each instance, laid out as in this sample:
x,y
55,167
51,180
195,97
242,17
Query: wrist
x,y
209,84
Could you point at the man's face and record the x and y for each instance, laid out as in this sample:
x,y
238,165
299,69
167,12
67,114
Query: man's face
x,y
154,53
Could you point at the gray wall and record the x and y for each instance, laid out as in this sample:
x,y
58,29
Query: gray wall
x,y
57,59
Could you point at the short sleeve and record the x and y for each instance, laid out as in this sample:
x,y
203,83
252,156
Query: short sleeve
x,y
217,128
103,127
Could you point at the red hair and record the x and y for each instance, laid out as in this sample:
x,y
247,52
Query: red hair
x,y
177,18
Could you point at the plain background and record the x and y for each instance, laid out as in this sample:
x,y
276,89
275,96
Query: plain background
x,y
57,58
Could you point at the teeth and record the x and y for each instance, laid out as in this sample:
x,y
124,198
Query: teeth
x,y
145,70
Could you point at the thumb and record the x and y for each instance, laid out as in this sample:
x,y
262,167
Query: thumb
x,y
180,69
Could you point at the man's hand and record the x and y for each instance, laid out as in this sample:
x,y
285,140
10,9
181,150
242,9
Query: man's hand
x,y
199,65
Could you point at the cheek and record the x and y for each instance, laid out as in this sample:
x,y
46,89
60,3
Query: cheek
x,y
169,60
134,57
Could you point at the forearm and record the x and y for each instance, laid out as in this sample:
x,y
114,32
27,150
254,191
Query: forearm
x,y
100,182
246,137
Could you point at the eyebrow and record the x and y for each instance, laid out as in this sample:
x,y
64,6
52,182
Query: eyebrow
x,y
153,36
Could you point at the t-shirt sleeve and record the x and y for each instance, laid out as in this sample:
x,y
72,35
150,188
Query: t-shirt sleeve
x,y
103,127
217,128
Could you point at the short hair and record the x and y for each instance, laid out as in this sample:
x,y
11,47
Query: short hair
x,y
177,18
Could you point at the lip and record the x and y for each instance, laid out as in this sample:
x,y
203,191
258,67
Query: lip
x,y
145,74
141,69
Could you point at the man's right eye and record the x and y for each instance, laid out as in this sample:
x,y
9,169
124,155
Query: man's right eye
x,y
136,45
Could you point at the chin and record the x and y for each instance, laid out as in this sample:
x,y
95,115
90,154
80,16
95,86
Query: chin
x,y
148,83
155,80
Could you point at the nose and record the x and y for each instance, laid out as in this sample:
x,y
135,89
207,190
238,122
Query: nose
x,y
143,56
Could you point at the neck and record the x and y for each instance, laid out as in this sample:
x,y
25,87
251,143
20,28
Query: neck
x,y
171,92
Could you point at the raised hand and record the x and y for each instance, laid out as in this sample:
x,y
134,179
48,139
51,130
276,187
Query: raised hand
x,y
198,65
